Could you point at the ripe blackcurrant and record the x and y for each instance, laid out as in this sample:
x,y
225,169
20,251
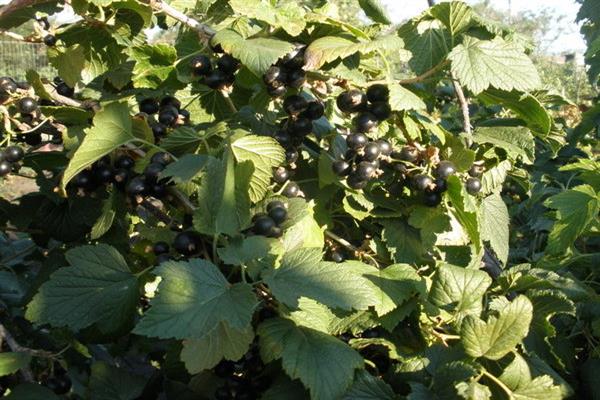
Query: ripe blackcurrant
x,y
185,116
315,110
377,93
274,74
27,105
336,256
364,170
441,185
371,151
120,177
161,157
263,225
294,104
351,101
103,174
365,122
14,154
278,214
385,147
149,106
422,181
409,153
228,64
296,78
7,85
159,130
381,110
300,126
217,79
137,186
355,182
186,243
168,116
291,190
445,169
201,65
125,162
170,101
152,171
160,248
281,175
432,198
473,185
476,171
159,190
276,91
284,138
291,156
341,167
65,90
294,59
5,168
275,204
50,40
356,141
84,180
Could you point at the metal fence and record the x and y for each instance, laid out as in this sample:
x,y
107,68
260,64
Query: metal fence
x,y
17,57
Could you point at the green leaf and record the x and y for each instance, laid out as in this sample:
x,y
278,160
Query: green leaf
x,y
97,287
368,387
575,209
473,391
67,115
222,342
69,62
432,223
494,222
396,283
516,141
242,251
256,54
402,240
112,383
459,290
35,81
500,334
153,64
329,48
12,362
456,16
265,153
324,364
31,391
112,129
303,274
464,210
479,64
193,298
375,10
300,228
402,99
288,16
493,179
109,210
185,168
428,41
517,376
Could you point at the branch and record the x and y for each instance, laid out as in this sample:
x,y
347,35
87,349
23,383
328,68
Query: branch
x,y
17,348
204,31
464,106
425,75
67,101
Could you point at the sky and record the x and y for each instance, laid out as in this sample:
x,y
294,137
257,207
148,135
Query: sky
x,y
401,10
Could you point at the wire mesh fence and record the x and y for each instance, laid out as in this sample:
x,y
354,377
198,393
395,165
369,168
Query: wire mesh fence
x,y
18,57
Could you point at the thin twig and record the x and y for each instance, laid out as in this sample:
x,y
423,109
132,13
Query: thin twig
x,y
204,31
229,101
342,241
464,106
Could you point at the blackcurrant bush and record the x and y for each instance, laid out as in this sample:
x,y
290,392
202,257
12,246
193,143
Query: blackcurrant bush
x,y
300,126
186,243
65,90
14,153
365,122
351,101
274,74
314,111
228,64
149,106
275,204
294,104
354,182
371,151
445,169
217,79
295,78
291,190
161,157
281,175
364,171
378,93
201,65
422,181
5,168
278,214
50,40
409,153
137,186
125,162
160,248
263,224
170,101
291,156
27,105
432,198
476,171
473,185
216,47
357,141
341,167
381,110
385,147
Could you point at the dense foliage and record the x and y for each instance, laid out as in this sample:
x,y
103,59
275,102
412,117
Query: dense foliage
x,y
268,208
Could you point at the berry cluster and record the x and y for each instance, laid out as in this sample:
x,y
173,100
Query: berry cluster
x,y
62,88
9,159
243,379
170,114
217,78
149,183
372,107
269,224
287,72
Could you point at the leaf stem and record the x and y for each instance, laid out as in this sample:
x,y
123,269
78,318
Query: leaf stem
x,y
229,101
498,382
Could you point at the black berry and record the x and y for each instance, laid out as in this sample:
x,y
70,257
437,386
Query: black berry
x,y
137,186
295,104
291,189
201,65
296,78
355,182
356,141
168,116
276,91
274,74
409,153
5,168
65,90
300,126
432,198
125,162
341,167
275,204
315,110
381,110
228,64
365,171
473,185
27,105
278,214
351,101
152,171
365,122
50,40
281,175
186,243
160,248
385,147
422,181
14,154
161,157
445,169
263,225
378,93
294,59
371,151
217,80
149,106
291,156
103,174
476,171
